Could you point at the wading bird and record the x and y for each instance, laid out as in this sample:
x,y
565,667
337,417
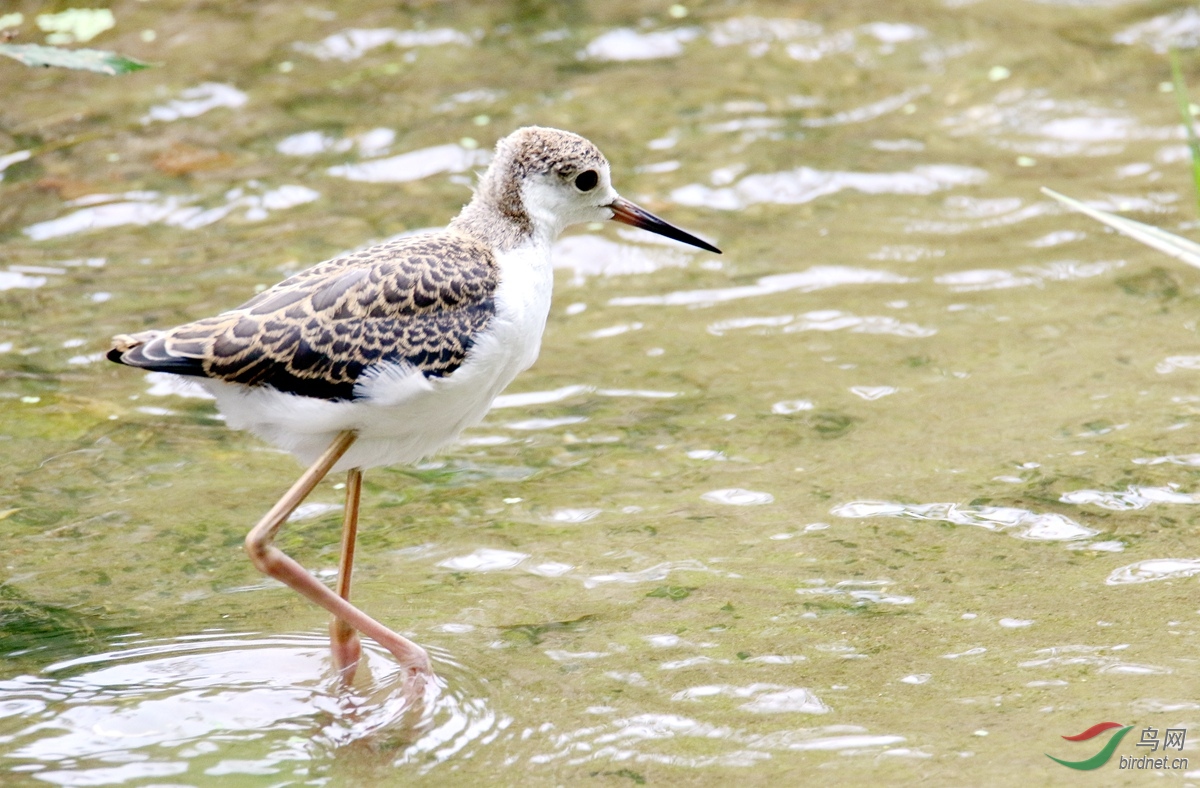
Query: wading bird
x,y
384,355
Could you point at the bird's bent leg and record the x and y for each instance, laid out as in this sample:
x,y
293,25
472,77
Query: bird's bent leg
x,y
270,560
343,640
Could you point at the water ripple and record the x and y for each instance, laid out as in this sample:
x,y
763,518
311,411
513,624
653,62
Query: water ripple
x,y
765,698
226,704
627,44
862,591
545,424
1172,363
740,30
354,43
146,207
1089,656
1179,29
412,166
805,184
1025,276
626,739
590,255
196,101
484,560
312,510
9,159
164,384
816,278
527,398
1035,123
650,574
1134,497
311,143
871,393
822,320
12,280
971,214
572,515
736,496
809,42
867,112
1020,523
1153,570
1191,460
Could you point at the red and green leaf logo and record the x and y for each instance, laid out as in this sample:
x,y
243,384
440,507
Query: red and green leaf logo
x,y
1100,758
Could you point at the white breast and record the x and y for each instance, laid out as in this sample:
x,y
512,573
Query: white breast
x,y
402,416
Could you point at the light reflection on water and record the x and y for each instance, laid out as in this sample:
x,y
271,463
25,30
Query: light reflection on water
x,y
1021,523
1026,276
825,320
816,278
627,739
591,255
413,165
352,44
626,44
144,208
1154,569
222,704
806,184
196,101
1135,497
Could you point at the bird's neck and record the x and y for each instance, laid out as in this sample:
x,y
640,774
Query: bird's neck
x,y
499,214
502,226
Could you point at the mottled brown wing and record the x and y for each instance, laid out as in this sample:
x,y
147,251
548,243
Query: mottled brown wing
x,y
417,301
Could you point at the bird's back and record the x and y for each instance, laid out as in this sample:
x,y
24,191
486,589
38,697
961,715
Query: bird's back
x,y
418,302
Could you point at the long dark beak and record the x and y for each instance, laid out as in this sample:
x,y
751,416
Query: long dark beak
x,y
626,212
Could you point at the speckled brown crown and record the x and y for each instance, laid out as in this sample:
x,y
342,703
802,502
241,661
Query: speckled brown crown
x,y
534,150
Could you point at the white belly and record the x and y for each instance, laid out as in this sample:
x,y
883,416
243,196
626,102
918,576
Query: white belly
x,y
400,415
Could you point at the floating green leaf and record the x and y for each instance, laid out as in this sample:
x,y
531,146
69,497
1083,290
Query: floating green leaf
x,y
674,593
96,60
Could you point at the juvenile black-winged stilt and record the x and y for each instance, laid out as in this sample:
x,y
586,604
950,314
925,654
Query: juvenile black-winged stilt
x,y
384,355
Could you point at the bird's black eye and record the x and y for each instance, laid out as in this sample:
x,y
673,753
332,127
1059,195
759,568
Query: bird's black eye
x,y
586,180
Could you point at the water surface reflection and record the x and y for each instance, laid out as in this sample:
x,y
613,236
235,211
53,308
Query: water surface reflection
x,y
225,703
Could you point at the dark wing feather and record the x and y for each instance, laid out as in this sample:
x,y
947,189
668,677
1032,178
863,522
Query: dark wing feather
x,y
419,301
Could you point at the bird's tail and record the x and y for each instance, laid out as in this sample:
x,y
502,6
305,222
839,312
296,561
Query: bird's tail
x,y
153,350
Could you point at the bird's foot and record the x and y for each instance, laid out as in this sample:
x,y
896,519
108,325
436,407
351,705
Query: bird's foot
x,y
413,660
346,648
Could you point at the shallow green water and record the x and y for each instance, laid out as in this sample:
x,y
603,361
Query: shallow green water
x,y
903,486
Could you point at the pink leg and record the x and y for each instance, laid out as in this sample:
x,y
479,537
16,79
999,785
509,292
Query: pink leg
x,y
343,640
270,560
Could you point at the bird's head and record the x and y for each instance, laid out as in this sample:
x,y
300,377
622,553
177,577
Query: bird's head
x,y
553,179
